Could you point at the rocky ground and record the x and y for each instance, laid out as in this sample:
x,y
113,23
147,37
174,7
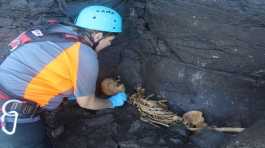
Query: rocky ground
x,y
205,55
122,128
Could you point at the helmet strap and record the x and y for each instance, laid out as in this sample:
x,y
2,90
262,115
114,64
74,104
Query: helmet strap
x,y
95,44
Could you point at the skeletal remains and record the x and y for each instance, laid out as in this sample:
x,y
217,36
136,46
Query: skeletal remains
x,y
156,111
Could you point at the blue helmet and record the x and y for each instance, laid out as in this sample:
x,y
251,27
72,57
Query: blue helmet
x,y
99,18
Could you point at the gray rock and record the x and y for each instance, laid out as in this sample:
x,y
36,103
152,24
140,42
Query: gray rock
x,y
208,56
135,126
99,121
128,144
57,131
209,139
148,140
250,138
175,141
18,4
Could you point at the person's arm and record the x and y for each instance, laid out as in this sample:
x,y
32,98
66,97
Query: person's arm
x,y
85,86
94,103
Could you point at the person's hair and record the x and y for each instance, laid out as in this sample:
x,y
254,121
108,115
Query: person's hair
x,y
82,32
85,35
87,32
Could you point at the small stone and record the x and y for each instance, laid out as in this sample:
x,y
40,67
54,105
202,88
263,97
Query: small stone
x,y
57,132
135,126
99,121
175,141
148,140
162,141
209,139
129,144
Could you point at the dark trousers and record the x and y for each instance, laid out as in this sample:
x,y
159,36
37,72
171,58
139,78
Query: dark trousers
x,y
28,135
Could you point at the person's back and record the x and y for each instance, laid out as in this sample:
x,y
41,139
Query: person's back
x,y
44,72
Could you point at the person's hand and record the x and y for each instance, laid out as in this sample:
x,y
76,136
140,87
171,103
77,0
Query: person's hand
x,y
118,99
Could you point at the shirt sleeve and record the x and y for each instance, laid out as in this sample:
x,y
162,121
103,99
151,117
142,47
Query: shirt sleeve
x,y
87,72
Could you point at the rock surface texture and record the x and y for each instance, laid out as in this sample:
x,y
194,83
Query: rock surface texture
x,y
206,55
251,138
201,55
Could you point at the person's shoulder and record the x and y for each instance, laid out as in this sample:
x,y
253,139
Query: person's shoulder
x,y
85,49
29,46
60,28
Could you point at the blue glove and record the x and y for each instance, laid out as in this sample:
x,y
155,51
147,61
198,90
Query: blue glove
x,y
118,99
